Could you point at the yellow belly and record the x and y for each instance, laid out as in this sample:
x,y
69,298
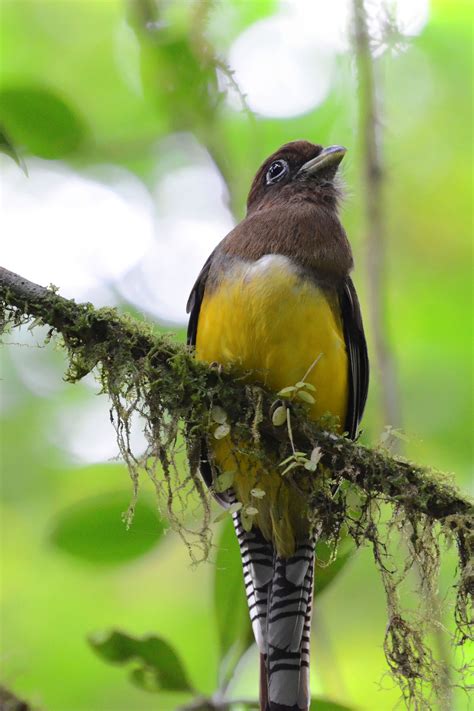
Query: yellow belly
x,y
267,320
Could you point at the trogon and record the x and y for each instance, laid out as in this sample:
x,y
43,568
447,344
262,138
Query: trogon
x,y
275,300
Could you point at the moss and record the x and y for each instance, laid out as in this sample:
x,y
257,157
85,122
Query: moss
x,y
152,376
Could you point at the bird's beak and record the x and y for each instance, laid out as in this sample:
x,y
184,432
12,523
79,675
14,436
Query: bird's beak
x,y
329,157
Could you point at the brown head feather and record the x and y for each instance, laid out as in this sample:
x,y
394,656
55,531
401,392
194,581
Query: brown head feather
x,y
296,217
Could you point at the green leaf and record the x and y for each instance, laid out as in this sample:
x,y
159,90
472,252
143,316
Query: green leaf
x,y
325,574
291,466
230,604
246,520
93,530
305,397
314,460
228,512
308,386
279,416
146,679
41,121
318,703
224,481
7,147
235,507
221,431
160,667
289,390
218,414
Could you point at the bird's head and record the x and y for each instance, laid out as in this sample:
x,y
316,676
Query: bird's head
x,y
297,171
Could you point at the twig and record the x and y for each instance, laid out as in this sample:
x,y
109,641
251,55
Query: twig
x,y
369,129
10,702
375,248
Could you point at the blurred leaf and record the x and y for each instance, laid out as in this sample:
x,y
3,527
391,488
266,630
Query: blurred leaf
x,y
325,574
224,481
93,529
161,668
178,68
233,622
7,147
146,679
320,704
41,121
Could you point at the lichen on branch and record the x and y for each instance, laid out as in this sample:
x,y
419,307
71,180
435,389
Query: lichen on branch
x,y
159,379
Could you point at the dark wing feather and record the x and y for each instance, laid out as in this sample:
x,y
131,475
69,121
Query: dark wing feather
x,y
358,359
193,307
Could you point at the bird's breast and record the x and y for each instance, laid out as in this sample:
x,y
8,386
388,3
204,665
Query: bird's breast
x,y
272,320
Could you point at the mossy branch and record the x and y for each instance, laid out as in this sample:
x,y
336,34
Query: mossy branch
x,y
160,379
95,337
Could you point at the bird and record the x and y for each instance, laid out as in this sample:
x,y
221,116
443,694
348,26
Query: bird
x,y
275,300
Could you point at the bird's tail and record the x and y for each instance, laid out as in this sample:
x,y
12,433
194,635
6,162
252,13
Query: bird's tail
x,y
279,593
288,630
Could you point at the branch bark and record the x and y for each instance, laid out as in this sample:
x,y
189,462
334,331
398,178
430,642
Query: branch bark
x,y
373,470
160,378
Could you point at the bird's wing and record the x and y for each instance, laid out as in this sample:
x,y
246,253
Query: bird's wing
x,y
193,306
357,353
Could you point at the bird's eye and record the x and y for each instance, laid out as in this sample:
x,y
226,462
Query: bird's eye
x,y
277,171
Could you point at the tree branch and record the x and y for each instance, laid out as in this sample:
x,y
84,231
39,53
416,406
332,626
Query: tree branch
x,y
160,378
103,331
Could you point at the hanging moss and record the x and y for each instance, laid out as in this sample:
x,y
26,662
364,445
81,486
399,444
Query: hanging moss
x,y
183,402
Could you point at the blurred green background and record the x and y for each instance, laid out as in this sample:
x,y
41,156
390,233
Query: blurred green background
x,y
139,152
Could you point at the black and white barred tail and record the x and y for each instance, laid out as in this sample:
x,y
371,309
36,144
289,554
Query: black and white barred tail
x,y
279,593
